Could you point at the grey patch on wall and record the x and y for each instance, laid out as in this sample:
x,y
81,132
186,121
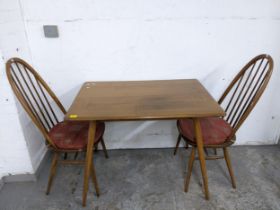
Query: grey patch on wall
x,y
50,31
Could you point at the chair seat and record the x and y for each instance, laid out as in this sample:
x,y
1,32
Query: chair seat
x,y
74,135
214,130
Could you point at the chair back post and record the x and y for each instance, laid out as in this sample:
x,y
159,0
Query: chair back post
x,y
245,90
34,95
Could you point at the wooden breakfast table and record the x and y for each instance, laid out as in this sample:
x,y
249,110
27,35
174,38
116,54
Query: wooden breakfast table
x,y
143,100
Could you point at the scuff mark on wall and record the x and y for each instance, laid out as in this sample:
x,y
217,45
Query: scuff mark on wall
x,y
73,20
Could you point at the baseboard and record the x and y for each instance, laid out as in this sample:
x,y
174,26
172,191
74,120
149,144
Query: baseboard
x,y
1,183
25,177
19,178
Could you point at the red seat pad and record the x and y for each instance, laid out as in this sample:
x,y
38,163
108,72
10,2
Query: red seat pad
x,y
214,130
74,135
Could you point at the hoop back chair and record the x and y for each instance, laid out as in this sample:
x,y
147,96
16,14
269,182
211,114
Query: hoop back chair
x,y
238,100
44,109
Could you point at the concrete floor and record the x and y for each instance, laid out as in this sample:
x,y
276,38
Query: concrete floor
x,y
153,179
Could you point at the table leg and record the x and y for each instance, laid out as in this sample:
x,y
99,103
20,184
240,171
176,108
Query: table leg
x,y
88,162
200,150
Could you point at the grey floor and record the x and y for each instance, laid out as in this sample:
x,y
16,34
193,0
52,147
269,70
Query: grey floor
x,y
153,179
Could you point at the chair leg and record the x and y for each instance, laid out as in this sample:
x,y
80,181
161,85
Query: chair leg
x,y
94,180
215,151
227,158
177,144
52,172
187,145
76,155
104,148
190,166
205,151
65,156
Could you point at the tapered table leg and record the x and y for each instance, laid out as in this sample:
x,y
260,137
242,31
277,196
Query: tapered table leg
x,y
89,155
200,150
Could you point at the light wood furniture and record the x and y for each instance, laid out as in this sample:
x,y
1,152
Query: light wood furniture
x,y
143,100
239,99
45,110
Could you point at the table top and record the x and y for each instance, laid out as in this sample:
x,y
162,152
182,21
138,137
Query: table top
x,y
143,100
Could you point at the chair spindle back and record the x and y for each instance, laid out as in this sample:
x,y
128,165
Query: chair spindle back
x,y
34,95
246,88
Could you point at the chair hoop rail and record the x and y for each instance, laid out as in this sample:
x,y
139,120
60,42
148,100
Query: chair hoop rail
x,y
245,90
34,95
241,95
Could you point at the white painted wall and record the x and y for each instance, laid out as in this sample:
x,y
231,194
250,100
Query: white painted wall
x,y
154,39
14,155
144,40
21,145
